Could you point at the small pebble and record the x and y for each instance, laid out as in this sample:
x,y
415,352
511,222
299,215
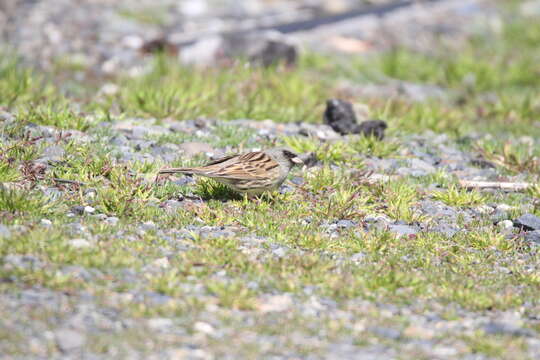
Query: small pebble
x,y
45,222
505,224
89,210
79,243
204,328
112,220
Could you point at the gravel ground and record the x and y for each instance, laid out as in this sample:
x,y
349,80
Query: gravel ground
x,y
106,37
70,324
63,306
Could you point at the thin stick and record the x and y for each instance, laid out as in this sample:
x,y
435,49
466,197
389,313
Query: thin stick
x,y
511,186
65,181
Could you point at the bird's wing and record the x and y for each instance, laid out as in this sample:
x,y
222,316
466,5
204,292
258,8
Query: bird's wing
x,y
249,166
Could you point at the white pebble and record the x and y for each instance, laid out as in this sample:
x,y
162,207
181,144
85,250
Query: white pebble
x,y
79,243
505,224
504,207
204,328
46,222
89,210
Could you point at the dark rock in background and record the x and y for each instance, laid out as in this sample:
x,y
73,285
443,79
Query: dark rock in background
x,y
340,116
373,128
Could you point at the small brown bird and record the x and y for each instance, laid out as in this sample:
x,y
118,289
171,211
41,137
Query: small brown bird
x,y
251,173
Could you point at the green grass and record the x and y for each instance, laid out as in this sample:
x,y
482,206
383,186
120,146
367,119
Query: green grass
x,y
455,196
16,202
172,90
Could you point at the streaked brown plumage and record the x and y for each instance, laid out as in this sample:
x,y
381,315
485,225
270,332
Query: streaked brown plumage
x,y
252,173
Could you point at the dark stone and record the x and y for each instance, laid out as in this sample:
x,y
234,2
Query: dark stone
x,y
373,128
78,209
527,222
275,52
339,115
482,163
159,45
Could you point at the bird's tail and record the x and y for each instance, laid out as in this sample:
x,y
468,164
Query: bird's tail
x,y
178,170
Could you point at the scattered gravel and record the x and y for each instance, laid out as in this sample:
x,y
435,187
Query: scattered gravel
x,y
78,320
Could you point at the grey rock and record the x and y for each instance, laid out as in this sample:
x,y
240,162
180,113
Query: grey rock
x,y
528,222
6,116
77,209
119,140
53,153
112,220
322,132
506,328
437,209
280,252
403,230
297,180
505,224
385,332
447,230
140,145
77,271
22,261
358,257
76,227
203,52
148,226
5,233
100,217
157,299
533,237
186,180
499,216
423,165
68,339
286,188
346,224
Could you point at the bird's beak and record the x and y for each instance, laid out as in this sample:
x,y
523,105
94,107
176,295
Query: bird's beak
x,y
297,160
